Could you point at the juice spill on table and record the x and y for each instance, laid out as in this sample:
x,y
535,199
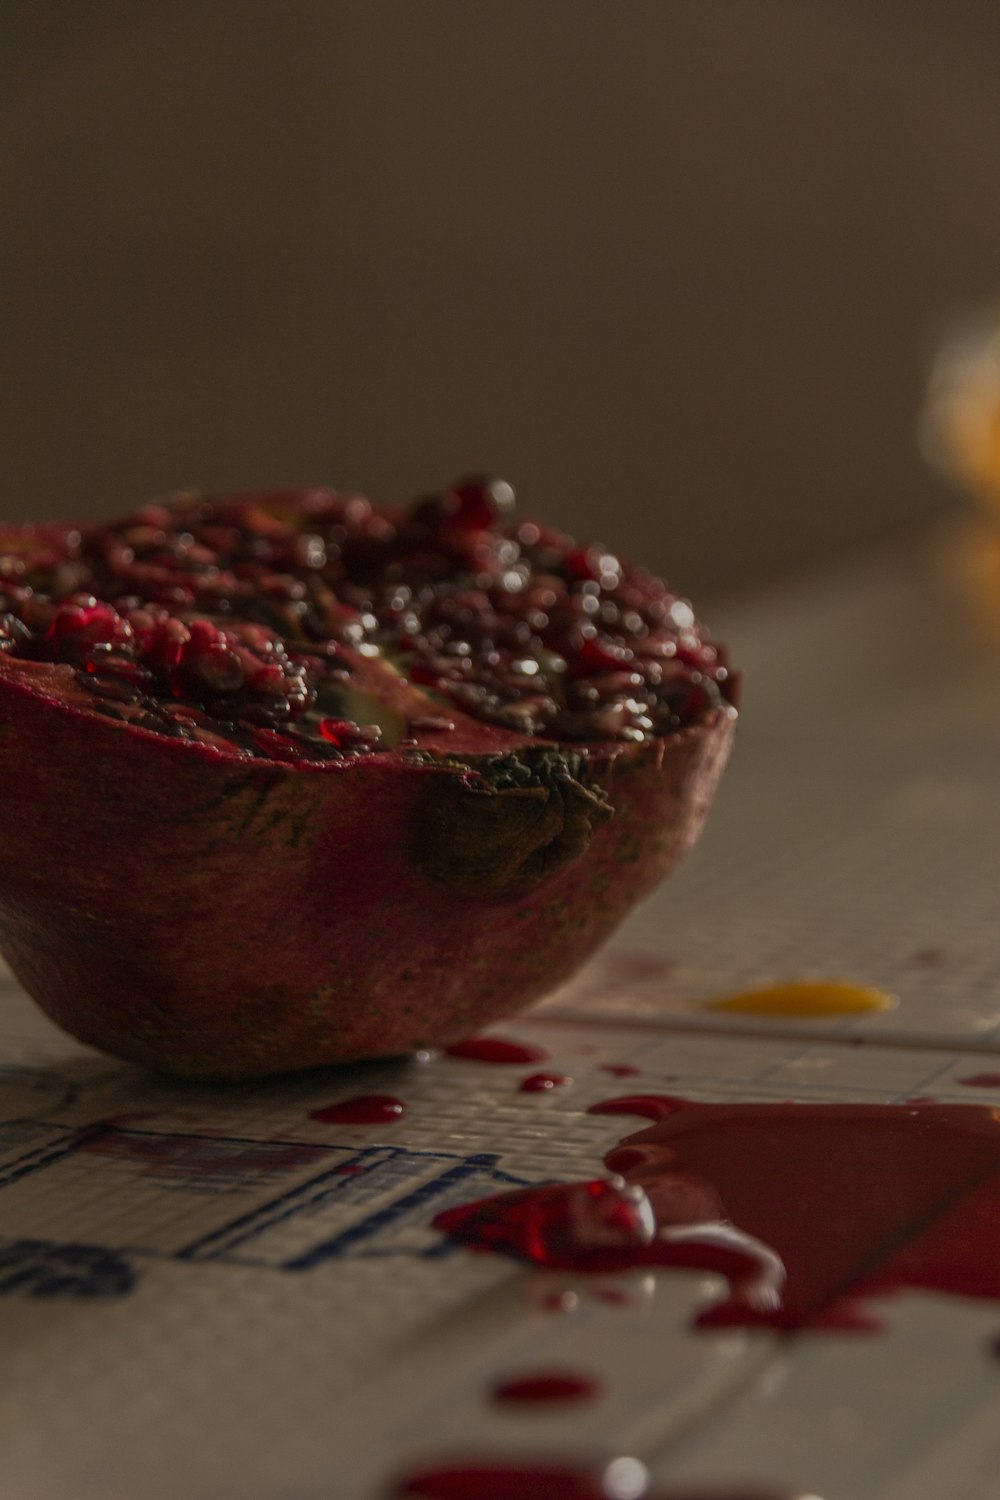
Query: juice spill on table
x,y
547,1387
806,1209
473,1480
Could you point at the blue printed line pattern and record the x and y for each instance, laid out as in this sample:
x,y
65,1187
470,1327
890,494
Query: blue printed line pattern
x,y
38,1269
367,1202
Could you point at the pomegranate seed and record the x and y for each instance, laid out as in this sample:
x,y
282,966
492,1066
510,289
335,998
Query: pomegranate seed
x,y
600,656
106,663
336,731
346,732
219,668
156,517
172,596
431,725
581,564
203,634
266,678
278,746
518,626
87,624
13,629
170,637
481,502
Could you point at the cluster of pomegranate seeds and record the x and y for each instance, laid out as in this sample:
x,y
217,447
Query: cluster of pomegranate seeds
x,y
242,621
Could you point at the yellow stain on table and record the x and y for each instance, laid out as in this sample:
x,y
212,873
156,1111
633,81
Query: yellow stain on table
x,y
806,997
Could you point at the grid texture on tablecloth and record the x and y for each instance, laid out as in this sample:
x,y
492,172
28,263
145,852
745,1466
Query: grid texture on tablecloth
x,y
211,1294
263,1364
888,881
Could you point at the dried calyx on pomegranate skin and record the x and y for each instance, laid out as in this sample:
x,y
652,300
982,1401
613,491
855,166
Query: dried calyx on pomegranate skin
x,y
340,630
243,735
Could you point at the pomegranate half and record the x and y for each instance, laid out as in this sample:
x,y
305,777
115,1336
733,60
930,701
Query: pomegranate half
x,y
292,779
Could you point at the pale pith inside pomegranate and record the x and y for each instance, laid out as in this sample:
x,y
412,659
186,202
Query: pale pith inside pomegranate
x,y
296,779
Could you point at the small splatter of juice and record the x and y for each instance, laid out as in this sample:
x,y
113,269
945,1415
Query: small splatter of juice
x,y
363,1109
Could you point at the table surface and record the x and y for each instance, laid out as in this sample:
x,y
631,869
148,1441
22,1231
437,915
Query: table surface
x,y
218,1296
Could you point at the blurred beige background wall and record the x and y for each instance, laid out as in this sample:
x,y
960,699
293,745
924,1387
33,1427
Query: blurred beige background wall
x,y
672,268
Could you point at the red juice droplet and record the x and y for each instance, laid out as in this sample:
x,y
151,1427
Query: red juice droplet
x,y
982,1081
613,1296
506,1481
547,1386
759,1193
576,1226
620,1070
561,1302
496,1049
474,1480
363,1109
541,1083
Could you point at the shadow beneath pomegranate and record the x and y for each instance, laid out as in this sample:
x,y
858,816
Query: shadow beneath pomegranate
x,y
151,1093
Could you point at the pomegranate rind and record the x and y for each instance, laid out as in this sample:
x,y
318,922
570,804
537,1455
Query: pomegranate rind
x,y
216,918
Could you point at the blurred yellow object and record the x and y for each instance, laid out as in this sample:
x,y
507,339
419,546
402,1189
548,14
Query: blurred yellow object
x,y
961,423
805,997
960,434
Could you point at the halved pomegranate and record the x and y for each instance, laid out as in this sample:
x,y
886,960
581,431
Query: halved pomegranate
x,y
292,779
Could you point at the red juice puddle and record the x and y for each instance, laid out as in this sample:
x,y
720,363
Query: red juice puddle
x,y
547,1387
622,1479
476,1480
620,1070
805,1209
982,1081
363,1109
541,1083
496,1049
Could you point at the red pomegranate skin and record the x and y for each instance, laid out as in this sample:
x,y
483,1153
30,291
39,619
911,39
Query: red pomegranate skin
x,y
220,917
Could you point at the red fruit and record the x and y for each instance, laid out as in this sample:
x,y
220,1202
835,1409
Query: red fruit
x,y
265,837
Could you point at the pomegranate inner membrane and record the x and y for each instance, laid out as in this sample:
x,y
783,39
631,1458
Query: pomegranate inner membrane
x,y
311,625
